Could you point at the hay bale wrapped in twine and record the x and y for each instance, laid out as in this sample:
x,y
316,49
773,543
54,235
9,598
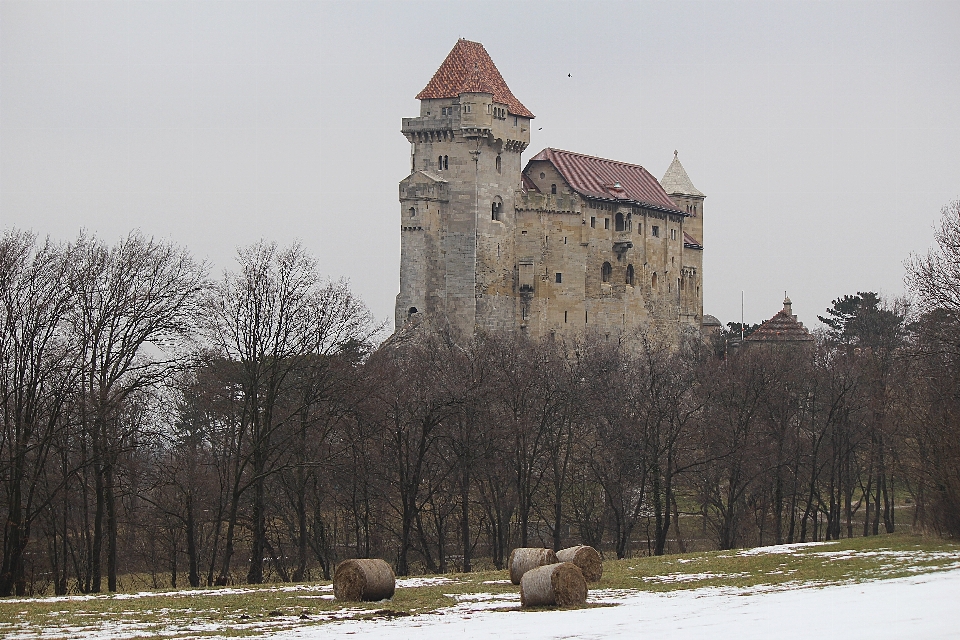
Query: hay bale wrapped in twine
x,y
587,558
560,584
522,559
360,579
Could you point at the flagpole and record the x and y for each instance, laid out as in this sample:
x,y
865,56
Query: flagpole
x,y
741,316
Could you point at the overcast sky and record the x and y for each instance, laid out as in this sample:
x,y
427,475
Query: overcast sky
x,y
826,135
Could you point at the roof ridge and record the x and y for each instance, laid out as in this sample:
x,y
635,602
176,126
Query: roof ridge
x,y
587,155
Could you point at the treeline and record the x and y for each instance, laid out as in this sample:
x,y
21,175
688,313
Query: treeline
x,y
249,428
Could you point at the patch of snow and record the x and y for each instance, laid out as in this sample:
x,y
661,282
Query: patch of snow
x,y
212,591
406,583
691,577
495,582
781,548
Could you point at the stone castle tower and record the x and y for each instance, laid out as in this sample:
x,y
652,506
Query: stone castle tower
x,y
567,245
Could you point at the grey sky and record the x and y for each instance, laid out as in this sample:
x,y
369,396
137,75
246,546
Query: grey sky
x,y
826,135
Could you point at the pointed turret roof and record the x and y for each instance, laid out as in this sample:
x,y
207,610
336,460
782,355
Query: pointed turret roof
x,y
676,180
468,68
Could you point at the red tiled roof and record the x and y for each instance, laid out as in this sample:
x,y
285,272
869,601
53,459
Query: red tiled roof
x,y
598,177
528,184
468,68
690,241
780,328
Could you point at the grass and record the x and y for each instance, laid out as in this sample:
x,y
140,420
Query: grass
x,y
249,611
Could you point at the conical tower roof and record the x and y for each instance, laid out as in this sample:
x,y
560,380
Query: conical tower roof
x,y
676,180
468,68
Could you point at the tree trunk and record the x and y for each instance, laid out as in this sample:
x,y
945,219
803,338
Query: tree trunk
x,y
192,559
110,499
465,517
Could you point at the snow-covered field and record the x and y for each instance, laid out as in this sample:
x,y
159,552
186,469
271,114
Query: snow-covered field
x,y
882,588
918,607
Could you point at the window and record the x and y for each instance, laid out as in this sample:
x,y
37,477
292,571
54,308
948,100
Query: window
x,y
653,281
606,223
542,175
514,120
559,278
466,108
673,234
620,222
411,311
655,231
446,163
593,222
439,163
413,212
526,276
496,208
630,274
553,189
605,272
564,317
498,164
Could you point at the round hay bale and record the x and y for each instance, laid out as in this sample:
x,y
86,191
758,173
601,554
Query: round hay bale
x,y
560,584
522,559
360,579
587,558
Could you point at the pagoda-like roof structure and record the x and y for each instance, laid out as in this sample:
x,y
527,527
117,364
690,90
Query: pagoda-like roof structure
x,y
468,68
781,328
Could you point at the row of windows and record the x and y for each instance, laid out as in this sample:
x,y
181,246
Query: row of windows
x,y
443,163
606,274
498,112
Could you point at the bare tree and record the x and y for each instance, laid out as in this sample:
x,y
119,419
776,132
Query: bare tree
x,y
135,303
37,374
271,318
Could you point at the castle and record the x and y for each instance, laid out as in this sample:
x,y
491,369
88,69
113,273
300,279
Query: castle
x,y
566,245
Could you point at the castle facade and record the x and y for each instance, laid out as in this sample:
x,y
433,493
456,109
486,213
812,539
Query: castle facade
x,y
566,245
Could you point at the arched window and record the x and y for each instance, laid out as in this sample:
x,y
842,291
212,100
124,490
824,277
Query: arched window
x,y
496,208
412,311
413,212
439,163
606,271
653,281
446,163
553,189
620,224
498,164
630,274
